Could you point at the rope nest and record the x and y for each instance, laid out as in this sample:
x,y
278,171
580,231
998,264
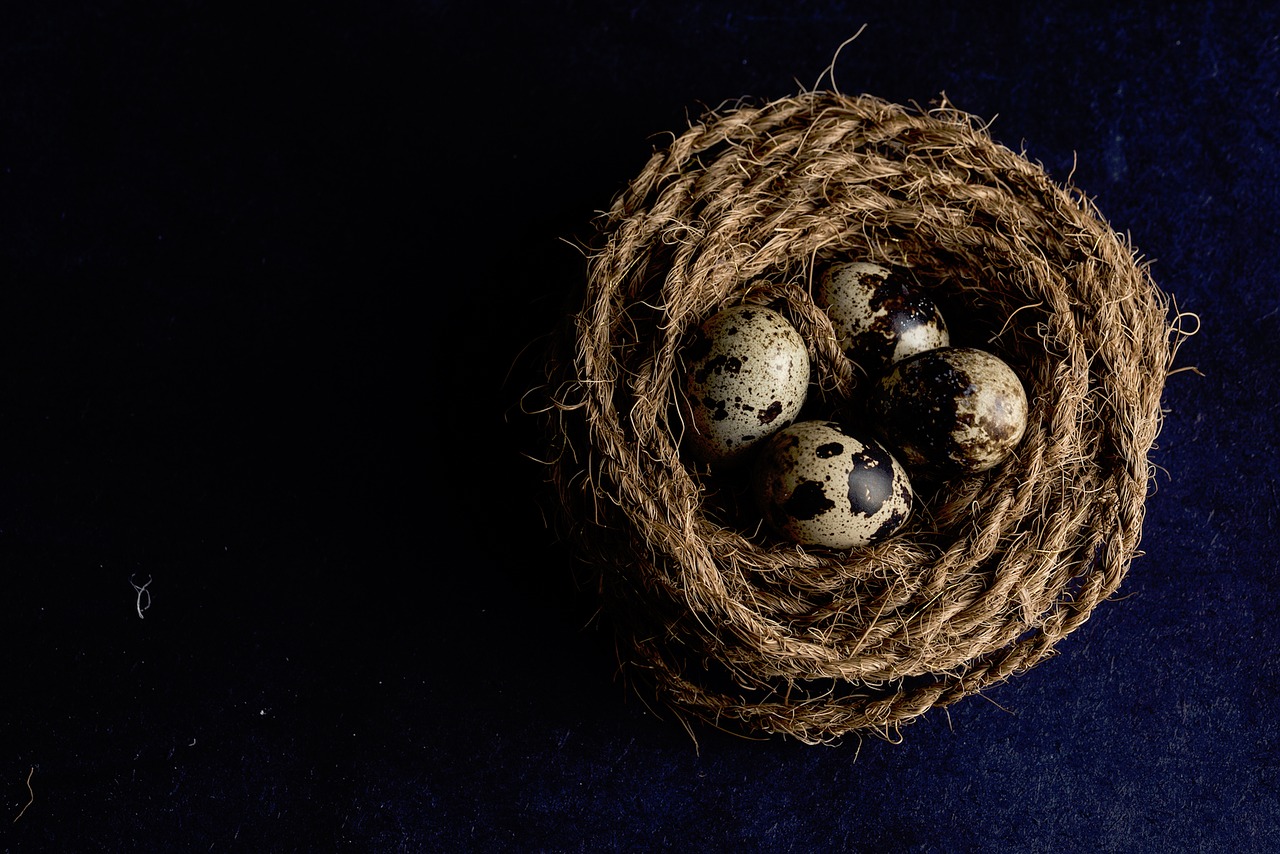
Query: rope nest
x,y
728,624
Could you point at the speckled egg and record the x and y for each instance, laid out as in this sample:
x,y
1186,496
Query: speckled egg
x,y
880,314
819,484
951,411
747,375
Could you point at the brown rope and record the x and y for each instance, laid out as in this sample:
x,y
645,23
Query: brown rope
x,y
735,627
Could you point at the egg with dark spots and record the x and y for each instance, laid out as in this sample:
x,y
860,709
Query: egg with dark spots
x,y
952,411
880,314
819,484
746,377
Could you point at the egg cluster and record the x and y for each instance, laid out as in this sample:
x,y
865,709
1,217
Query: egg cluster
x,y
933,410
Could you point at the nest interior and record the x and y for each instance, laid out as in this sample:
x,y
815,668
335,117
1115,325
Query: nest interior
x,y
730,625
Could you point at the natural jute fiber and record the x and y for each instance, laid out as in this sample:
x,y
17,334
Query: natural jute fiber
x,y
728,624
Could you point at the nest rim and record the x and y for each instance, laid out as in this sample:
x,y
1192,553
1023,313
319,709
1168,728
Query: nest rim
x,y
728,625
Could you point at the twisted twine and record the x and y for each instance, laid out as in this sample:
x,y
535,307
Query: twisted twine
x,y
734,627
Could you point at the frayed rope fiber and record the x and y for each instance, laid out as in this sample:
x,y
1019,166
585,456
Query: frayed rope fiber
x,y
724,622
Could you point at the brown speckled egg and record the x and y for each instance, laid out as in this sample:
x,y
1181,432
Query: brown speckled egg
x,y
818,484
880,314
950,411
747,375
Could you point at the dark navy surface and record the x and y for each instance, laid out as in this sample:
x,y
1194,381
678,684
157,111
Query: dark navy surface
x,y
267,283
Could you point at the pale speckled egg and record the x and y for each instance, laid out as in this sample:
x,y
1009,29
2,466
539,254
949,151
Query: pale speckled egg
x,y
951,411
819,484
880,314
747,376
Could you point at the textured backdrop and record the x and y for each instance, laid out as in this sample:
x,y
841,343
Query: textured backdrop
x,y
276,571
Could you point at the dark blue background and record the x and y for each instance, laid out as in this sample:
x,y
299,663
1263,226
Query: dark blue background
x,y
268,281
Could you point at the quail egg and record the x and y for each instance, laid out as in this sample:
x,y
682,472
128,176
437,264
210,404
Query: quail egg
x,y
747,376
950,411
819,484
880,314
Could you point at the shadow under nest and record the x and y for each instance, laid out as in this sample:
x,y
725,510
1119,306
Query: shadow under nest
x,y
724,622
